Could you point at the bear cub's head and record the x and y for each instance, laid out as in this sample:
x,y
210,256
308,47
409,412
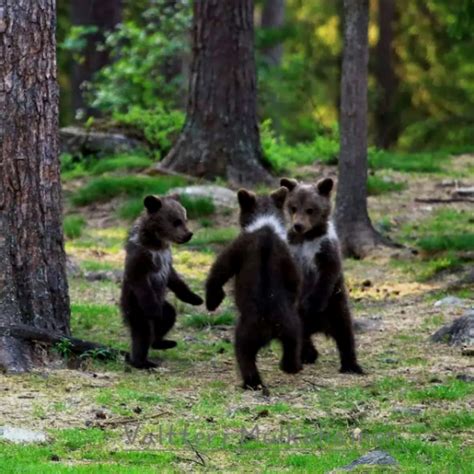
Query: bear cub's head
x,y
165,220
253,206
308,206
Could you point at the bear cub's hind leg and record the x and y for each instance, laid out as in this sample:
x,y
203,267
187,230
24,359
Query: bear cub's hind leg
x,y
162,326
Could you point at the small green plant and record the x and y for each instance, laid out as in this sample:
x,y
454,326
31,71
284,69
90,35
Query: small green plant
x,y
377,186
197,207
73,226
426,162
438,243
200,321
100,353
105,188
63,348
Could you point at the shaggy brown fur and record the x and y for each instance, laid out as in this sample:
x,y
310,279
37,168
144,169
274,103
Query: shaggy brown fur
x,y
149,272
266,285
323,304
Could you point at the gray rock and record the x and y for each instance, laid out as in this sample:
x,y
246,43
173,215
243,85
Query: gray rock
x,y
459,332
375,457
449,301
80,141
220,196
21,435
367,324
465,377
463,192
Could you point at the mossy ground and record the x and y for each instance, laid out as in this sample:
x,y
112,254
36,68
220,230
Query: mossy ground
x,y
191,415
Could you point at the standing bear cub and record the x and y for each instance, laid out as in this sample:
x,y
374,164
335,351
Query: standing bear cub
x,y
149,272
323,304
266,285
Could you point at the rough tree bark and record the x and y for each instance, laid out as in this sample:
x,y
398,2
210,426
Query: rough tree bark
x,y
387,119
352,219
33,285
273,17
220,137
105,15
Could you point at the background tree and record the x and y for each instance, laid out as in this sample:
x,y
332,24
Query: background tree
x,y
273,18
352,219
97,17
386,116
221,135
33,286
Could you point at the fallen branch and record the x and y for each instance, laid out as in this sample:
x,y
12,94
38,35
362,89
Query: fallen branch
x,y
443,200
75,345
125,420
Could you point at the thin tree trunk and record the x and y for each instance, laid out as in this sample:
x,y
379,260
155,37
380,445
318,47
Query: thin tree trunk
x,y
221,137
105,15
387,120
33,285
352,219
273,17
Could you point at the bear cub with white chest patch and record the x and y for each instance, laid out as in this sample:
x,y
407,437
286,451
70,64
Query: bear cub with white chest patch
x,y
149,273
266,285
323,304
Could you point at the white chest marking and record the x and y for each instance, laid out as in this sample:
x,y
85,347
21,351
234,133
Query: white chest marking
x,y
163,260
305,252
268,220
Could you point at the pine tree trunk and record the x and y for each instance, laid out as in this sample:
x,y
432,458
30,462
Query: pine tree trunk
x,y
221,137
33,286
273,17
387,119
105,15
352,219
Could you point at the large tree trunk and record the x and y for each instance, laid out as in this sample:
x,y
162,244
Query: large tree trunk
x,y
273,17
33,286
352,219
387,119
105,15
221,137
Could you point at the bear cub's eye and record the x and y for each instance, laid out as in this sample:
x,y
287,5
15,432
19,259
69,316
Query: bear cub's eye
x,y
292,209
178,223
309,211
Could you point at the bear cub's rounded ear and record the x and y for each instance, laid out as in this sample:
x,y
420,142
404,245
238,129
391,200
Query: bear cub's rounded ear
x,y
152,203
288,183
247,199
279,197
324,186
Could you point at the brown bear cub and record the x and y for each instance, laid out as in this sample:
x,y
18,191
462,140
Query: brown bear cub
x,y
149,272
323,304
266,285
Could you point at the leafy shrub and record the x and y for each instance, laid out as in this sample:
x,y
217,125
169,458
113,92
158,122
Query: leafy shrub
x,y
437,243
425,162
142,49
158,126
283,156
73,226
201,321
104,188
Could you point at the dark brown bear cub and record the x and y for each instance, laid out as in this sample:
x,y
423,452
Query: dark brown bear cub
x,y
323,304
149,272
266,285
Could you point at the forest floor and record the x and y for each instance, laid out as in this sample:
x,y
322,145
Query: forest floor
x,y
416,401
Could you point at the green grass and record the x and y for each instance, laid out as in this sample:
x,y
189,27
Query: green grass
x,y
120,162
105,188
73,226
456,242
377,186
198,207
427,162
209,236
200,321
195,207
